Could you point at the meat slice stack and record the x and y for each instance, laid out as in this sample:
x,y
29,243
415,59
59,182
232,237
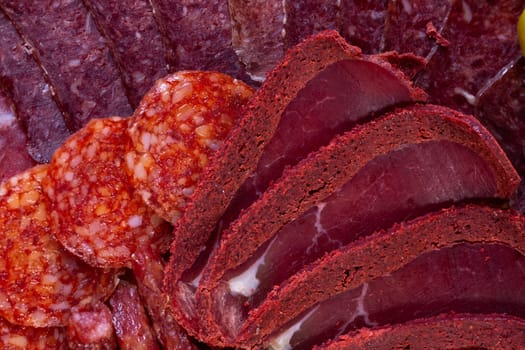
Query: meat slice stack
x,y
351,196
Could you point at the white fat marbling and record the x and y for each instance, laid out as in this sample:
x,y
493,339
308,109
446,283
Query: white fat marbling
x,y
282,341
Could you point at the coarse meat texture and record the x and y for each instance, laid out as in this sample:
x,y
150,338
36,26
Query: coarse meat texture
x,y
13,337
91,327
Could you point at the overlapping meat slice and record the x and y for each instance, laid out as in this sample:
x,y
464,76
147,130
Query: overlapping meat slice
x,y
465,260
74,57
386,171
91,327
135,42
330,87
458,331
22,80
40,281
13,337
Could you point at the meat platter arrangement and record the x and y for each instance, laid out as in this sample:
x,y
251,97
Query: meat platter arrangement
x,y
262,175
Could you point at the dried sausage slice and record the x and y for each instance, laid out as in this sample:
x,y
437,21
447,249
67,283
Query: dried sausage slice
x,y
13,337
40,281
90,327
179,124
87,177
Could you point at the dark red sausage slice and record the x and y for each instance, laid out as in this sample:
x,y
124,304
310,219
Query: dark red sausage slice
x,y
90,327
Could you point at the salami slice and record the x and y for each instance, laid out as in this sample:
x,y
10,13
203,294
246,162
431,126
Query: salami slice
x,y
87,177
24,83
74,56
90,327
13,337
40,281
179,124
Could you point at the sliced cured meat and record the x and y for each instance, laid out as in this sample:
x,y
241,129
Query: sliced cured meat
x,y
363,22
454,260
178,126
130,321
13,152
459,331
135,42
199,33
91,327
23,81
40,281
329,89
306,17
257,34
476,31
500,107
384,172
14,337
415,26
148,269
87,177
79,66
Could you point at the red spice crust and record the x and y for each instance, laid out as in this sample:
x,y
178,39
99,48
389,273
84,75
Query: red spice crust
x,y
350,266
465,331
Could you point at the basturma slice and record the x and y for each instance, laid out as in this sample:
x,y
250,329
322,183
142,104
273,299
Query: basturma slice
x,y
329,87
394,168
40,281
457,331
467,260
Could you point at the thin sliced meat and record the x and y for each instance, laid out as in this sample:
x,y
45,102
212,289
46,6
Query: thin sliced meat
x,y
455,331
415,26
450,261
199,33
87,177
258,34
23,81
79,67
306,17
14,157
178,126
386,171
362,23
90,327
482,40
148,269
41,281
135,42
130,321
14,337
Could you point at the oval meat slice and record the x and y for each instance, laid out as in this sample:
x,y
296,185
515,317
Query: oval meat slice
x,y
91,327
450,261
41,281
87,177
176,129
23,81
458,331
79,66
370,178
14,337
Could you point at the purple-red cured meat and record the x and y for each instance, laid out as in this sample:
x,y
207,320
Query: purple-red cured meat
x,y
74,57
382,173
87,177
148,269
23,81
306,17
199,35
501,108
40,281
258,30
13,152
135,42
415,26
14,337
482,41
362,23
455,331
130,321
179,125
450,261
90,327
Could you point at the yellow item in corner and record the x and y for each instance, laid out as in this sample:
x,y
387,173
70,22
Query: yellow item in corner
x,y
521,32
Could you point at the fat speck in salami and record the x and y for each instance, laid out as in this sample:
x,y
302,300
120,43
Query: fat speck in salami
x,y
40,281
